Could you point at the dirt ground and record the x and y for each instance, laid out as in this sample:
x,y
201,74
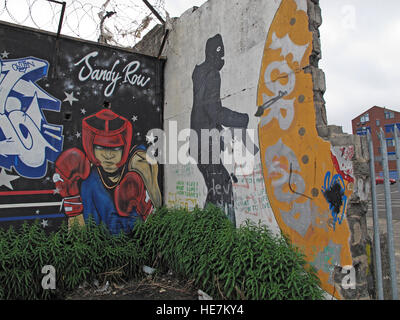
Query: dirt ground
x,y
153,287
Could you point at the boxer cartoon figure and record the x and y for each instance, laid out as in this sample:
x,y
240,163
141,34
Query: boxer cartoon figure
x,y
110,180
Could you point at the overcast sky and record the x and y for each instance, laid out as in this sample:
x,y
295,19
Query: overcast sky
x,y
360,55
360,50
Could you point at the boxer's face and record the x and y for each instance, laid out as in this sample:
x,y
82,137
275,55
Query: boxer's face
x,y
108,157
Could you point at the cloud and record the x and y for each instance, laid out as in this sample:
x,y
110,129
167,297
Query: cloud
x,y
176,7
359,57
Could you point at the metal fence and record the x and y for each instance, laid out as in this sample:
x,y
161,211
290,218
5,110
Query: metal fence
x,y
116,22
388,207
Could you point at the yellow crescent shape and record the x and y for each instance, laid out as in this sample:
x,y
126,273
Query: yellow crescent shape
x,y
294,158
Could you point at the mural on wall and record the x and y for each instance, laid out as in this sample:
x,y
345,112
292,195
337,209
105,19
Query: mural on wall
x,y
27,140
117,184
307,181
211,88
208,113
74,117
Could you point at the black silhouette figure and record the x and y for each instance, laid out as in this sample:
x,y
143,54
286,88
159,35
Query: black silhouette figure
x,y
208,113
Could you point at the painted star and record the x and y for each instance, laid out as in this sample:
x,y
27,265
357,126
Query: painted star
x,y
83,111
5,179
134,118
37,211
158,109
70,138
4,54
45,223
150,138
56,191
70,97
138,134
78,135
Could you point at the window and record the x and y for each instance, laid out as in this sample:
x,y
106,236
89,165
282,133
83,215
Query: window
x,y
364,118
389,115
389,127
378,123
363,131
390,142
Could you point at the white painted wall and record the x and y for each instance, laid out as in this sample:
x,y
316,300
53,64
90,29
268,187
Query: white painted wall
x,y
243,26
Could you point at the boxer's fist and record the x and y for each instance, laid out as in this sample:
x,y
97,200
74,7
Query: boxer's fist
x,y
71,167
131,194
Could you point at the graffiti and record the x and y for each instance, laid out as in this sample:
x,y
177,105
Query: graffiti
x,y
208,113
295,159
178,201
276,168
342,160
249,193
188,189
111,180
327,259
321,220
334,192
111,76
22,66
269,103
42,110
27,140
279,170
273,73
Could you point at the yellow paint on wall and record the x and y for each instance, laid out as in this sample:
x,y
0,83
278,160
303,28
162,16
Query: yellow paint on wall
x,y
313,154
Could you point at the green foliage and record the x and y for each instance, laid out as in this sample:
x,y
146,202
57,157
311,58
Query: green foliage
x,y
78,255
227,263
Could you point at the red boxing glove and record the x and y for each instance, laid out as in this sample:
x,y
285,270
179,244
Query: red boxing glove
x,y
71,166
131,193
73,206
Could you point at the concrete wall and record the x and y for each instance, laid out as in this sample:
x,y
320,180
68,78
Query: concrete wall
x,y
48,88
298,182
243,33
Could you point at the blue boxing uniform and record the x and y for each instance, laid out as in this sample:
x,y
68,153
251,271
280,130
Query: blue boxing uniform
x,y
98,202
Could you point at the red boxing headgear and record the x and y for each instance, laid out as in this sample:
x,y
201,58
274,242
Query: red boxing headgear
x,y
108,129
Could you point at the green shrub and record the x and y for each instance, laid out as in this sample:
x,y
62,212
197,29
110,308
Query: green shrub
x,y
78,255
227,263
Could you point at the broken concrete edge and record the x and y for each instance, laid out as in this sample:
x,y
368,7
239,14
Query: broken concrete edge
x,y
358,204
151,42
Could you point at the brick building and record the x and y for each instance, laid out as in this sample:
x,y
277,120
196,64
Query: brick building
x,y
372,120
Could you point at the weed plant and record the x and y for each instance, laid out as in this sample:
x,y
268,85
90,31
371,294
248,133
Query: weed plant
x,y
227,263
81,254
201,245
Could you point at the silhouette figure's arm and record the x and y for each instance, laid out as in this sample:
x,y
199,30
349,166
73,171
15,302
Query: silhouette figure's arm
x,y
222,115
